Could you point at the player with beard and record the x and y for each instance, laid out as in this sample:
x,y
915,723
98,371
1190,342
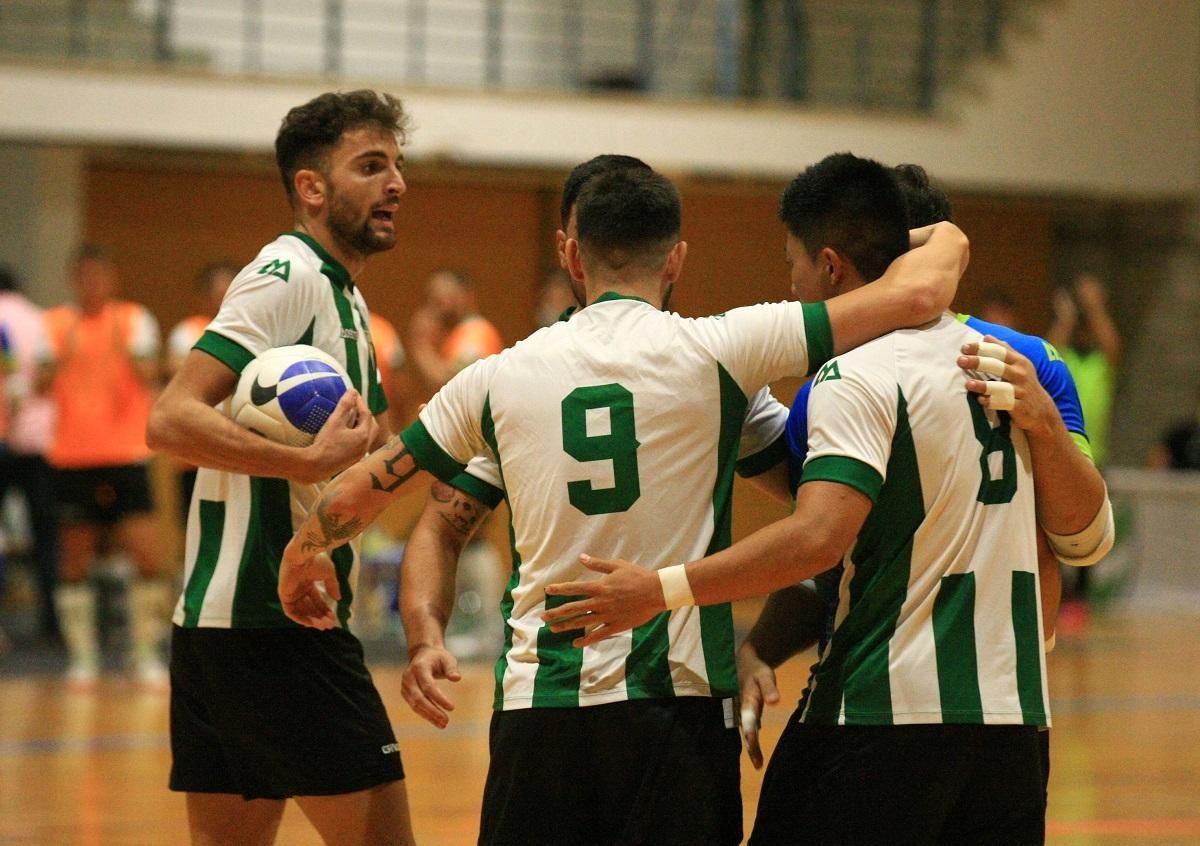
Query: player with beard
x,y
247,685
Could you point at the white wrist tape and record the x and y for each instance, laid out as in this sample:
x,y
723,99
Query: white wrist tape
x,y
677,591
1048,644
1002,395
1089,546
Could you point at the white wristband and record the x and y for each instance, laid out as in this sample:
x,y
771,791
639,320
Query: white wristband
x,y
677,591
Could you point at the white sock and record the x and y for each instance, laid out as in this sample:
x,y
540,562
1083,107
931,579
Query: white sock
x,y
148,600
76,603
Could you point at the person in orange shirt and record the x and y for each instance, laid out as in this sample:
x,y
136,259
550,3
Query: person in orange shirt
x,y
106,372
448,333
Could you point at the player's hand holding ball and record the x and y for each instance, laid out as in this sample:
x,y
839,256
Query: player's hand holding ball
x,y
300,396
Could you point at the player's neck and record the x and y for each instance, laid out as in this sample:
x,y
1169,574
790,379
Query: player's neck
x,y
351,259
648,290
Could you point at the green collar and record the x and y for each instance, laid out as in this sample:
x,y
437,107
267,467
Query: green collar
x,y
609,296
330,266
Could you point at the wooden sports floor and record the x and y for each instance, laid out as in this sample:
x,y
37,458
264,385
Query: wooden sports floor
x,y
90,769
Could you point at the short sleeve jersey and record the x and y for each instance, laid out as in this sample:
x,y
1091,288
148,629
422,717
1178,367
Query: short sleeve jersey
x,y
1052,373
938,619
293,292
617,434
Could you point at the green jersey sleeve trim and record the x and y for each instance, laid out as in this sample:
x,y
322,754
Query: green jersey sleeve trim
x,y
819,335
488,494
1084,445
763,460
230,353
846,471
428,455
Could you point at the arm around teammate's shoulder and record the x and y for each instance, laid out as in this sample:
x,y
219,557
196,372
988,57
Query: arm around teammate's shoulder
x,y
916,288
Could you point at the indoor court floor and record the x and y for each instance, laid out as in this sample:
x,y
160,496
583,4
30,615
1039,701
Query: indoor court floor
x,y
90,769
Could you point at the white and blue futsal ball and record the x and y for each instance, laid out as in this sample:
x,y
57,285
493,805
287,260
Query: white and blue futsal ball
x,y
287,393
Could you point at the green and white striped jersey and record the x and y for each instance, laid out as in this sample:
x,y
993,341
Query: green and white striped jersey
x,y
293,292
616,433
939,616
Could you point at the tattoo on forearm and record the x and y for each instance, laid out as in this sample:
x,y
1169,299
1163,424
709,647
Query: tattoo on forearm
x,y
462,513
393,479
333,530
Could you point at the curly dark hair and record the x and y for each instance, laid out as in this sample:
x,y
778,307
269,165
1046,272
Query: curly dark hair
x,y
927,202
308,132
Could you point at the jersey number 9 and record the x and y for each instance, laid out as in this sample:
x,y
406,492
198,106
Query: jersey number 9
x,y
619,446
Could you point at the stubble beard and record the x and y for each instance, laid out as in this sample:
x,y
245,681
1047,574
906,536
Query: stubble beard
x,y
358,237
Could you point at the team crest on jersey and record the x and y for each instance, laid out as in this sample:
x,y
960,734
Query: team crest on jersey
x,y
277,268
827,373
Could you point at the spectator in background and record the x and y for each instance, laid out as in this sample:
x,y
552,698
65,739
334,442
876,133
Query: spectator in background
x,y
30,428
448,333
106,372
212,282
998,307
554,298
1088,341
393,378
1179,447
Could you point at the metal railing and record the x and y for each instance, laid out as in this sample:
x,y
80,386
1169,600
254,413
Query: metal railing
x,y
864,53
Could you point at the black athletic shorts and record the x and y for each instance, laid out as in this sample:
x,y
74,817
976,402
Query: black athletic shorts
x,y
912,784
103,494
273,713
652,771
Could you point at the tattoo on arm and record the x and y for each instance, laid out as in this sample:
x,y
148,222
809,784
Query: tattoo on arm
x,y
333,530
461,512
393,479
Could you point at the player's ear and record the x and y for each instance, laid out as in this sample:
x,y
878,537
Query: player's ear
x,y
833,265
675,258
310,187
573,258
560,247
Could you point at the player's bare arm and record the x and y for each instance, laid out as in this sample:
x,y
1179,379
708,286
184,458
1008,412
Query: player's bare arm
x,y
1071,495
790,622
812,539
185,424
349,504
916,288
427,580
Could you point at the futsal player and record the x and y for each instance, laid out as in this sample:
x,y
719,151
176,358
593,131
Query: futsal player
x,y
262,710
